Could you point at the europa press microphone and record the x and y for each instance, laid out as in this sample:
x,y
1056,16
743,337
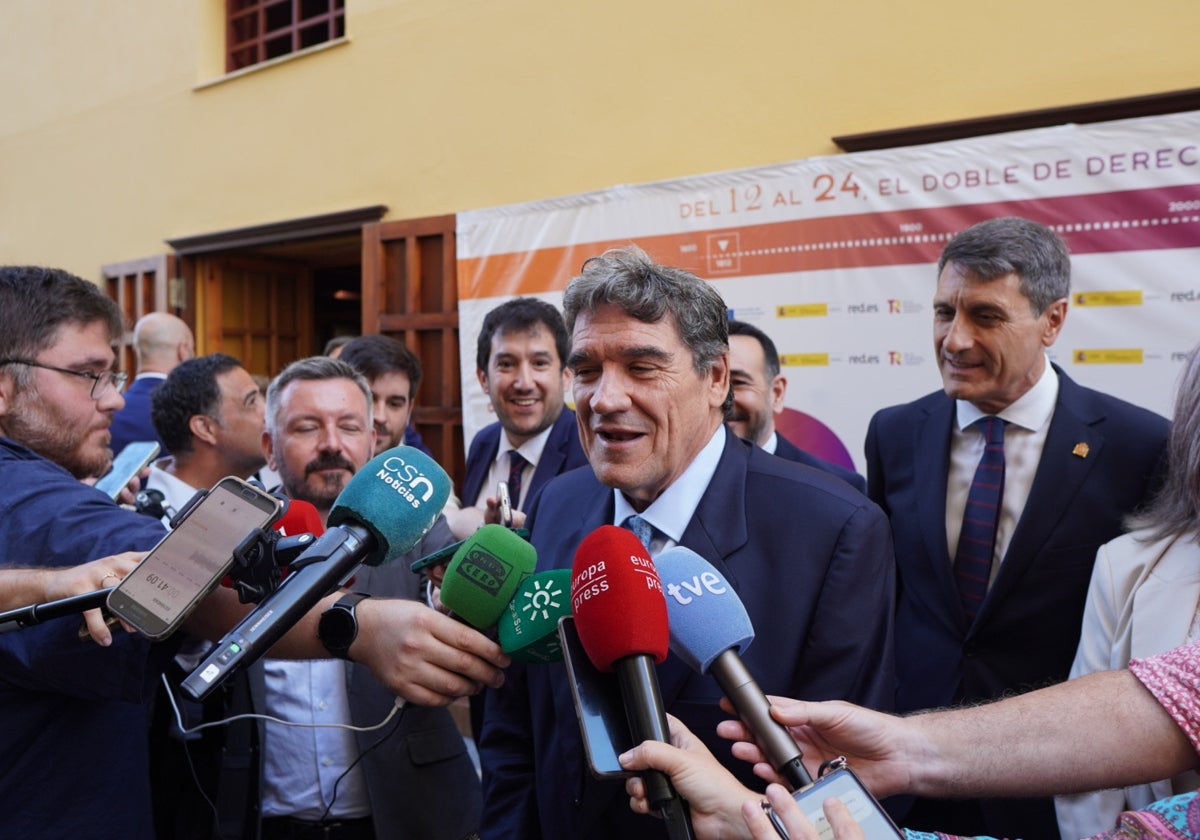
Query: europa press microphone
x,y
612,579
709,628
382,512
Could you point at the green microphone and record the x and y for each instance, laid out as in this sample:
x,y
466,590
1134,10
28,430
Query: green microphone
x,y
484,573
528,629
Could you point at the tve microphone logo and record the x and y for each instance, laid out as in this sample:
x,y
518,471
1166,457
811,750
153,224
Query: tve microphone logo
x,y
687,590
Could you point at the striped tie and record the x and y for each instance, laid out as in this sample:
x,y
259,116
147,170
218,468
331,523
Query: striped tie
x,y
516,467
977,540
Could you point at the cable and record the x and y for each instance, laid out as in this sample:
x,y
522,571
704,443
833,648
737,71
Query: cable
x,y
397,707
353,764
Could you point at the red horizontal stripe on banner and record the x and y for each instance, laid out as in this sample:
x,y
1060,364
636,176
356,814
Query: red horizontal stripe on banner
x,y
1133,220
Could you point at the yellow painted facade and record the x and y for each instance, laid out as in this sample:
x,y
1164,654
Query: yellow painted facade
x,y
119,131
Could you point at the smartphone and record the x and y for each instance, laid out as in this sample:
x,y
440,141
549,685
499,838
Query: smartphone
x,y
192,558
844,785
598,705
505,504
130,461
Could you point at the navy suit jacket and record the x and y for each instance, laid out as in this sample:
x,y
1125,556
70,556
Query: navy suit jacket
x,y
784,448
811,560
1102,458
133,421
563,452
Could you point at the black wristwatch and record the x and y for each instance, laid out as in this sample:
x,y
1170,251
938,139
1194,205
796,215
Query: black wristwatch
x,y
338,627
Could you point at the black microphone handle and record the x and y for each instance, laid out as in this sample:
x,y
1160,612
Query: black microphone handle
x,y
315,573
752,706
37,613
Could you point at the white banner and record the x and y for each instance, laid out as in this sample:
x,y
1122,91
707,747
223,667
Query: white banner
x,y
835,259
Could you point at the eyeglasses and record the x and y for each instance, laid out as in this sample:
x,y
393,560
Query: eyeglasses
x,y
100,381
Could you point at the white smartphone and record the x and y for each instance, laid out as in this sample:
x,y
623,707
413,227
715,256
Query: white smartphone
x,y
192,558
130,461
506,516
844,785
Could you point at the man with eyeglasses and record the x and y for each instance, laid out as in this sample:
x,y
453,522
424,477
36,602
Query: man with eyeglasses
x,y
75,728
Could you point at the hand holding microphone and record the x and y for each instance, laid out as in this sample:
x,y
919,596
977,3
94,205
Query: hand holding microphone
x,y
709,628
621,617
382,513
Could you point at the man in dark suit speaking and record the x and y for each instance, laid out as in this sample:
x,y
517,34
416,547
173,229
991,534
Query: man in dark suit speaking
x,y
809,556
1000,488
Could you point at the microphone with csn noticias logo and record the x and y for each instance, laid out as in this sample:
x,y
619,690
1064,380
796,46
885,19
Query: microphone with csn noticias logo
x,y
381,513
612,580
709,629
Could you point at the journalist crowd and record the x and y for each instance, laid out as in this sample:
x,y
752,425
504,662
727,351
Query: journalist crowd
x,y
993,625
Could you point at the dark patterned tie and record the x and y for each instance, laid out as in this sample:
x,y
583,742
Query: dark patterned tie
x,y
641,529
516,466
977,540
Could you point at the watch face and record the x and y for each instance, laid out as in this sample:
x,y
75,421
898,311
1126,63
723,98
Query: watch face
x,y
338,626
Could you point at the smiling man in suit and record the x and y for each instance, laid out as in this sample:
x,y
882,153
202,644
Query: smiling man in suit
x,y
995,534
520,363
809,556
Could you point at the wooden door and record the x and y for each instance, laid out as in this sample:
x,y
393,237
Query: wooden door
x,y
140,286
257,310
410,292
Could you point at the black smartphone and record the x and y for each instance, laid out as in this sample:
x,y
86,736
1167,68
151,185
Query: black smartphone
x,y
598,705
844,785
130,461
192,558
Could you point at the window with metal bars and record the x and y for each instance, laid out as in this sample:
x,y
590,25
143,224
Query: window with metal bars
x,y
260,30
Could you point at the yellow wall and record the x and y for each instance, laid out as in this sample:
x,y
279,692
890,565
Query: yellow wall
x,y
113,137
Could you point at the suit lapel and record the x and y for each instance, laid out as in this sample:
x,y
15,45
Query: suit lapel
x,y
1059,476
555,452
931,472
716,531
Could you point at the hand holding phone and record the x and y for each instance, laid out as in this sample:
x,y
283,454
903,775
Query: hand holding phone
x,y
841,783
130,461
506,511
191,559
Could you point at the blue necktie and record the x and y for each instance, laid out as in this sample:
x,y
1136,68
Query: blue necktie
x,y
516,466
977,540
641,529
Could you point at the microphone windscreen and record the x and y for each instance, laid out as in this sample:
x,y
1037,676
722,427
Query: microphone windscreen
x,y
706,616
528,628
617,599
484,573
300,517
397,496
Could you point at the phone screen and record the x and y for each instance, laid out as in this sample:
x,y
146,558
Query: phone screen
x,y
843,785
598,705
189,561
130,461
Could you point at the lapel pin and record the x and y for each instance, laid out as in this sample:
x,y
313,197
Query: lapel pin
x,y
1081,450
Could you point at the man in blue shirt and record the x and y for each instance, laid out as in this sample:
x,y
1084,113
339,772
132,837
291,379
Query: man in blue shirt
x,y
74,712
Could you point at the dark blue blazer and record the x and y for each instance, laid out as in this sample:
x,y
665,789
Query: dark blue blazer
x,y
563,452
784,448
1101,459
810,558
133,421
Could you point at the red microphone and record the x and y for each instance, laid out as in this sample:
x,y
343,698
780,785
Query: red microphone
x,y
621,617
300,517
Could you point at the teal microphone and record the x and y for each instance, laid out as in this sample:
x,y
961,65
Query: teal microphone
x,y
528,628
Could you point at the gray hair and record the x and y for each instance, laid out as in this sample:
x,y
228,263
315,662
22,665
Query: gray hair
x,y
1012,245
314,368
1175,509
627,278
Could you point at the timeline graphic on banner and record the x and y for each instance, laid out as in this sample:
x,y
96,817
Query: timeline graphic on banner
x,y
835,258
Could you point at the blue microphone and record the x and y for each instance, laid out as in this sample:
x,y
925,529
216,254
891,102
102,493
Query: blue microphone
x,y
709,628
